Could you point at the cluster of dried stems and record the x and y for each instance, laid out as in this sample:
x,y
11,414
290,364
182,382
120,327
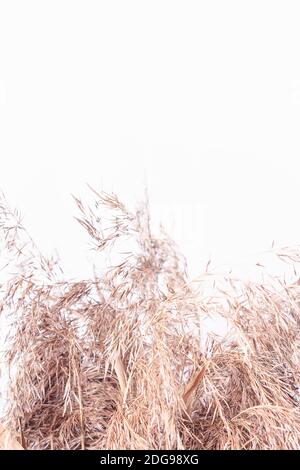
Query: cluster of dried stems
x,y
118,361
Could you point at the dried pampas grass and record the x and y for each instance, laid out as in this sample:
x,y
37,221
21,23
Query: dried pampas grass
x,y
120,362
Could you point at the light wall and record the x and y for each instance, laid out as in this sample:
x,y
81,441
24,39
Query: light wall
x,y
198,100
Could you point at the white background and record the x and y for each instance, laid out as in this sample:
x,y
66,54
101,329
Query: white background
x,y
199,100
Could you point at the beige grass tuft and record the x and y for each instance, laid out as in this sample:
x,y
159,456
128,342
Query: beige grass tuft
x,y
120,361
